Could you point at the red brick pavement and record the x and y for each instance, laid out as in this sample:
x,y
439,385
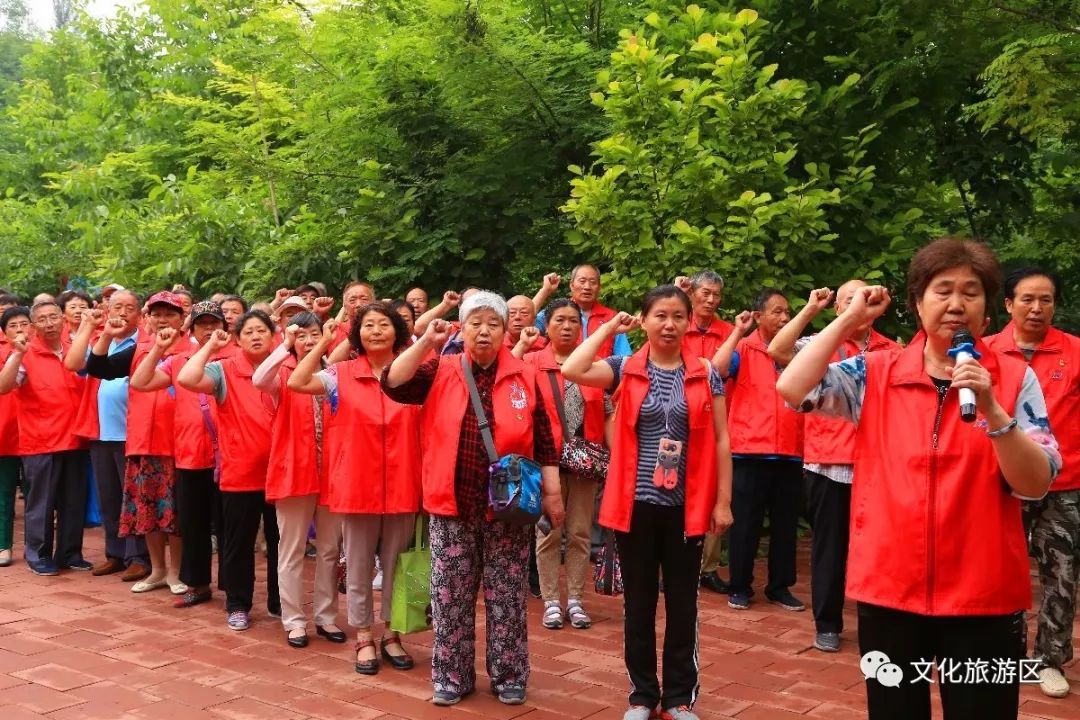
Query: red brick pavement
x,y
79,647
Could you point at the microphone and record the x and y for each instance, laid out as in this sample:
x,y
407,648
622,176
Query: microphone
x,y
962,350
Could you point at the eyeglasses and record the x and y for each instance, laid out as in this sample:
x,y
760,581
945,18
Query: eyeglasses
x,y
48,319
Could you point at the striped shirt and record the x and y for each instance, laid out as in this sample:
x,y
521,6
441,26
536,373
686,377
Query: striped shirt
x,y
663,414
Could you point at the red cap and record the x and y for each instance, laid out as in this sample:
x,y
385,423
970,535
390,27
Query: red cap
x,y
166,298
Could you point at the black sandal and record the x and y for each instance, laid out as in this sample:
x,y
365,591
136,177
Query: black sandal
x,y
366,667
398,662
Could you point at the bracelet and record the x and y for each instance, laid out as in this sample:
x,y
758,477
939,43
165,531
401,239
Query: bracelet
x,y
1003,430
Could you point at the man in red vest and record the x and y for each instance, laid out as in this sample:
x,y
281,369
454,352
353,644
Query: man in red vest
x,y
828,462
766,449
702,339
522,315
585,292
707,332
54,458
102,420
1031,297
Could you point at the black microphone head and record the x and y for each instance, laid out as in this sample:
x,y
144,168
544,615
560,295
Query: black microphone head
x,y
962,336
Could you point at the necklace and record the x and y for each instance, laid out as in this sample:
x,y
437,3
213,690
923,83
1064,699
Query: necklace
x,y
943,370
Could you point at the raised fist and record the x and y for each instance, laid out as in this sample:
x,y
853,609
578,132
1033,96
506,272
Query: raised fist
x,y
624,322
529,336
115,327
92,318
869,303
744,321
819,299
437,333
166,338
219,340
290,336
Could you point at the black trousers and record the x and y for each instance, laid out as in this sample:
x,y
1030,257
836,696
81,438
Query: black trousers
x,y
907,639
55,507
756,486
109,461
830,513
196,498
656,543
241,513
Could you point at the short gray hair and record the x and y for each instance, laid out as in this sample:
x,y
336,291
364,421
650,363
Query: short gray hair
x,y
706,276
485,300
579,268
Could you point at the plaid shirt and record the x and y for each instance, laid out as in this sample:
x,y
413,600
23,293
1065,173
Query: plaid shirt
x,y
471,465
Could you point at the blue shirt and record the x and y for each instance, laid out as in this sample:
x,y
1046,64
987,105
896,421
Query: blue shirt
x,y
112,398
621,348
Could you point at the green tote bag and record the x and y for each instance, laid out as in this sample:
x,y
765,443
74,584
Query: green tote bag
x,y
411,603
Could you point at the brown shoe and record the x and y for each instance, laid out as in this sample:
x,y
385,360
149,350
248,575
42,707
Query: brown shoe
x,y
108,567
135,571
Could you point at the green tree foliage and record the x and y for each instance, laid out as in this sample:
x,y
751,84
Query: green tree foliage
x,y
257,143
706,165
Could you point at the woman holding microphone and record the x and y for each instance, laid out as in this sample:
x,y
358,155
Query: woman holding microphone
x,y
938,562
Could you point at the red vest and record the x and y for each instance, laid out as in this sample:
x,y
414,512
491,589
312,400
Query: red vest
x,y
150,416
544,362
244,422
600,315
193,448
87,423
758,420
48,401
9,414
617,505
829,440
705,343
294,468
372,455
513,397
1057,365
934,529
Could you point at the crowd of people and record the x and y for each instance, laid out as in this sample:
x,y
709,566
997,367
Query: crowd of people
x,y
338,430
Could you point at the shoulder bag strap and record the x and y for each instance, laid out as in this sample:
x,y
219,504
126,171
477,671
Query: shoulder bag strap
x,y
556,391
208,421
478,408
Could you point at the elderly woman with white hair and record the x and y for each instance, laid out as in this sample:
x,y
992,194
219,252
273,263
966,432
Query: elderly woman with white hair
x,y
467,544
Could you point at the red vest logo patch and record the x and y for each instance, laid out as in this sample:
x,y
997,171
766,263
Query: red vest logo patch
x,y
518,400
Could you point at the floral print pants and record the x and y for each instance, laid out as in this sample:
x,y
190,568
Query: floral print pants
x,y
462,553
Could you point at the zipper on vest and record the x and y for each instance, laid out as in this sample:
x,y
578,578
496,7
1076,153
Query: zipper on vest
x,y
382,426
931,534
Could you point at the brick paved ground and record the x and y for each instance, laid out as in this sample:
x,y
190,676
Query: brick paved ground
x,y
78,647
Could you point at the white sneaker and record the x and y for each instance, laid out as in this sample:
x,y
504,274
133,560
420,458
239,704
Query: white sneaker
x,y
1053,683
376,584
